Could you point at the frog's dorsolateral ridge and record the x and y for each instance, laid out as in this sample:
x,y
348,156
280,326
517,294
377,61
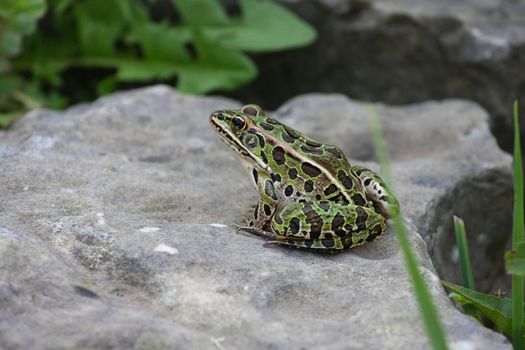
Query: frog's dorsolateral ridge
x,y
310,196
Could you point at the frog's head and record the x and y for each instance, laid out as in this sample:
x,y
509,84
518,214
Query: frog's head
x,y
240,129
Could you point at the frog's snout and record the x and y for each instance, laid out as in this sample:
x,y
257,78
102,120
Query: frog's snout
x,y
217,115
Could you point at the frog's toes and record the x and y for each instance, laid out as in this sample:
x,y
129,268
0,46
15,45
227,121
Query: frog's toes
x,y
257,231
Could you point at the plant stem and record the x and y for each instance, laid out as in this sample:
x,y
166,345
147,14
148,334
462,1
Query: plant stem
x,y
517,237
433,327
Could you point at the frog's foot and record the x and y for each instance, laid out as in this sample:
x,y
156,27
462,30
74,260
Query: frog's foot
x,y
256,231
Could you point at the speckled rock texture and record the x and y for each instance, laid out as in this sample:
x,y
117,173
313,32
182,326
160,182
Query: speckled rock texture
x,y
405,51
115,230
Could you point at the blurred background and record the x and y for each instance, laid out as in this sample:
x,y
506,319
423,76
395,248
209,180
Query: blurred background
x,y
56,53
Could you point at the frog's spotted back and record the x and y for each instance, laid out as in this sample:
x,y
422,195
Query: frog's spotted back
x,y
292,173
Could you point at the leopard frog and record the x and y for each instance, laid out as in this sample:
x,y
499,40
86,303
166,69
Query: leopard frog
x,y
310,196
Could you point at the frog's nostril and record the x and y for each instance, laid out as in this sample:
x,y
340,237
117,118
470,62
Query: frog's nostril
x,y
217,115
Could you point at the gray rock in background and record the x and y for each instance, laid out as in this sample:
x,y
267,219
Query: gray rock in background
x,y
405,51
115,230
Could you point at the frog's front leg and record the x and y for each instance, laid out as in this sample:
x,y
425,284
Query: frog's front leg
x,y
266,206
378,192
325,226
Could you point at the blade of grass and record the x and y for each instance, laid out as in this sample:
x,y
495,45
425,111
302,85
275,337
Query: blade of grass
x,y
464,257
433,326
517,237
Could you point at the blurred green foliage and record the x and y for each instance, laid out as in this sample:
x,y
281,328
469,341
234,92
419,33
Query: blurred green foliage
x,y
60,52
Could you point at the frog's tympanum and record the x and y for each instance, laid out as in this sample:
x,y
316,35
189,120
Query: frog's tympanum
x,y
310,196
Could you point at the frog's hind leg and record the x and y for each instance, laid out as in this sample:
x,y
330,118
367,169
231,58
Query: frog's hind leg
x,y
378,192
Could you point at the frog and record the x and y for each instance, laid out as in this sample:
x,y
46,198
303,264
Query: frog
x,y
310,197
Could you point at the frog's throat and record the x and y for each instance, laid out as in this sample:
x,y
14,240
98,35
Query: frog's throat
x,y
233,141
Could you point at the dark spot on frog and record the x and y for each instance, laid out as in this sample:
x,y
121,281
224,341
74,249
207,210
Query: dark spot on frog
x,y
325,205
292,173
267,210
269,189
375,232
335,151
288,191
294,226
276,177
314,220
360,171
337,221
278,155
328,243
267,126
292,133
264,158
255,176
367,181
330,189
310,150
252,131
310,169
313,143
250,141
358,199
256,211
272,121
85,292
362,216
261,140
345,179
309,186
340,233
318,196
287,138
251,111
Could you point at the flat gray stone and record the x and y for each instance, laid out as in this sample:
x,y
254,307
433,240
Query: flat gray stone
x,y
405,51
115,230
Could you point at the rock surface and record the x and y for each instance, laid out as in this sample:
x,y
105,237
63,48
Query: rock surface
x,y
115,230
405,51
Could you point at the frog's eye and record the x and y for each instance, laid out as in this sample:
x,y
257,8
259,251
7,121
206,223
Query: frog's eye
x,y
239,123
250,110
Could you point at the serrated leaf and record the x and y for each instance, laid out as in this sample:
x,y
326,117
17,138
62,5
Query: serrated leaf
x,y
498,310
201,12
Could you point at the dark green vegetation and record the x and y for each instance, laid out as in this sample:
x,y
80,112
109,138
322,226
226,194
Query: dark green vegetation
x,y
505,313
429,314
61,52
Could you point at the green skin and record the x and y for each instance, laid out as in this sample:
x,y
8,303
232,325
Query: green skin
x,y
310,196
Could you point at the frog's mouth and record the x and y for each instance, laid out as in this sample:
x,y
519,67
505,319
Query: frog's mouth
x,y
233,141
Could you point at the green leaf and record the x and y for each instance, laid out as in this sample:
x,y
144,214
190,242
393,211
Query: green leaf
x,y
515,260
518,237
6,119
17,18
498,310
263,26
98,26
429,314
159,41
464,256
201,12
468,307
215,68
